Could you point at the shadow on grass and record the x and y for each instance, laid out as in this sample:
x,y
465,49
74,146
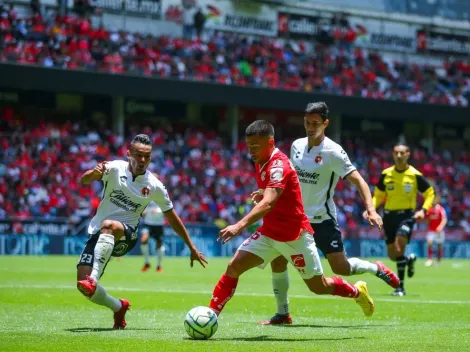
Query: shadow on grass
x,y
103,329
274,339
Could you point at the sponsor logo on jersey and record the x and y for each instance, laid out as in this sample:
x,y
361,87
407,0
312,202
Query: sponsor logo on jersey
x,y
298,260
277,163
120,199
319,160
307,177
276,174
145,191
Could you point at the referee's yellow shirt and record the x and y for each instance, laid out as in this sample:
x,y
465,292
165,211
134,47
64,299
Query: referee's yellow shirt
x,y
400,188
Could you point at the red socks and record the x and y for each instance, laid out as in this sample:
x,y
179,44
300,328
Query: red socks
x,y
430,252
223,292
343,288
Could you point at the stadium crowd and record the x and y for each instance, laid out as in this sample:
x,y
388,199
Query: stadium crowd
x,y
71,42
41,164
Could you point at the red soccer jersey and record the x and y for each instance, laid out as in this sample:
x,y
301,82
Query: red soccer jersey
x,y
287,220
435,216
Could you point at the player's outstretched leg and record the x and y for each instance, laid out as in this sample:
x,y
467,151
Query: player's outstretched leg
x,y
440,251
144,248
225,288
160,254
280,280
430,250
355,266
337,286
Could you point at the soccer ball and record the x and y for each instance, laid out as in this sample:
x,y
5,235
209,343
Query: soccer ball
x,y
201,323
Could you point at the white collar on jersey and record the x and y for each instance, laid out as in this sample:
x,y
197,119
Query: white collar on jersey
x,y
274,152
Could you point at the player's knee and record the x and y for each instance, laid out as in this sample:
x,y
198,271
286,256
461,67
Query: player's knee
x,y
107,226
279,265
235,268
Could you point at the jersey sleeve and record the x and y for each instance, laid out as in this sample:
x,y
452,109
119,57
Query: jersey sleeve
x,y
112,167
340,163
277,175
161,197
426,190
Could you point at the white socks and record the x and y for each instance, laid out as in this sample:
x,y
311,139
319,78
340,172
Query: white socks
x,y
280,288
359,266
103,249
145,251
102,298
160,252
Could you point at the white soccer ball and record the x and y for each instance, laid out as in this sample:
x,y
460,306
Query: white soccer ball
x,y
201,323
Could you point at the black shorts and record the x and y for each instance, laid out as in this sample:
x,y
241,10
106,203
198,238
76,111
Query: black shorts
x,y
154,231
121,247
398,223
328,237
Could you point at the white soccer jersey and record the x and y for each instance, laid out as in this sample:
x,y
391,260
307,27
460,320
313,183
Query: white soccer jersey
x,y
125,198
319,170
154,215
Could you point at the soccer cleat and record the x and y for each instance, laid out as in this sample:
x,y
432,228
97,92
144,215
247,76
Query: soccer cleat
x,y
399,292
363,299
119,321
159,269
277,319
87,287
146,267
411,264
428,262
387,275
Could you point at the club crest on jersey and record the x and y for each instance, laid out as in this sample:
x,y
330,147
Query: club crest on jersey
x,y
145,191
276,174
263,175
277,163
319,159
298,260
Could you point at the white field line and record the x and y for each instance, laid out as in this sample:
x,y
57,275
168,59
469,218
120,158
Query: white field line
x,y
255,294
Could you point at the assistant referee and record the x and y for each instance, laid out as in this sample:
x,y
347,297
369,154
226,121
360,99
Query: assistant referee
x,y
399,186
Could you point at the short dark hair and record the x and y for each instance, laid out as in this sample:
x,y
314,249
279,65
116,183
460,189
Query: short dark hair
x,y
142,139
319,108
401,145
260,128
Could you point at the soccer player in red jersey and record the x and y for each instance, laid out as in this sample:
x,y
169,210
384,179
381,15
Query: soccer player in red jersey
x,y
286,229
437,221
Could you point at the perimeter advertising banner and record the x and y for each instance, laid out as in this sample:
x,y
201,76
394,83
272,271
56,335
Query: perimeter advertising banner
x,y
437,42
232,16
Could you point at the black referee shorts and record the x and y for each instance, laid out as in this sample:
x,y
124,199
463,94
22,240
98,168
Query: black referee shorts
x,y
398,223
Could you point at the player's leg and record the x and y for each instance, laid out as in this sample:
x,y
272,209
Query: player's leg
x,y
303,255
144,248
280,281
160,247
256,250
95,292
429,242
440,239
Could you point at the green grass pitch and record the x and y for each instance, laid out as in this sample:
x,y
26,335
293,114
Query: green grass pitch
x,y
41,310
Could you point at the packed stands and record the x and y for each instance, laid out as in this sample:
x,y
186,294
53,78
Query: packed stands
x,y
41,163
71,42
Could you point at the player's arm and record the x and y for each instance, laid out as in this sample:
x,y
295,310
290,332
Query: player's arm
x,y
425,188
443,223
379,193
177,225
270,197
95,174
357,180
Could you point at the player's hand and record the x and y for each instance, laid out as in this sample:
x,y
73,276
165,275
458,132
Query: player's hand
x,y
197,256
228,233
100,169
374,219
256,196
419,215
